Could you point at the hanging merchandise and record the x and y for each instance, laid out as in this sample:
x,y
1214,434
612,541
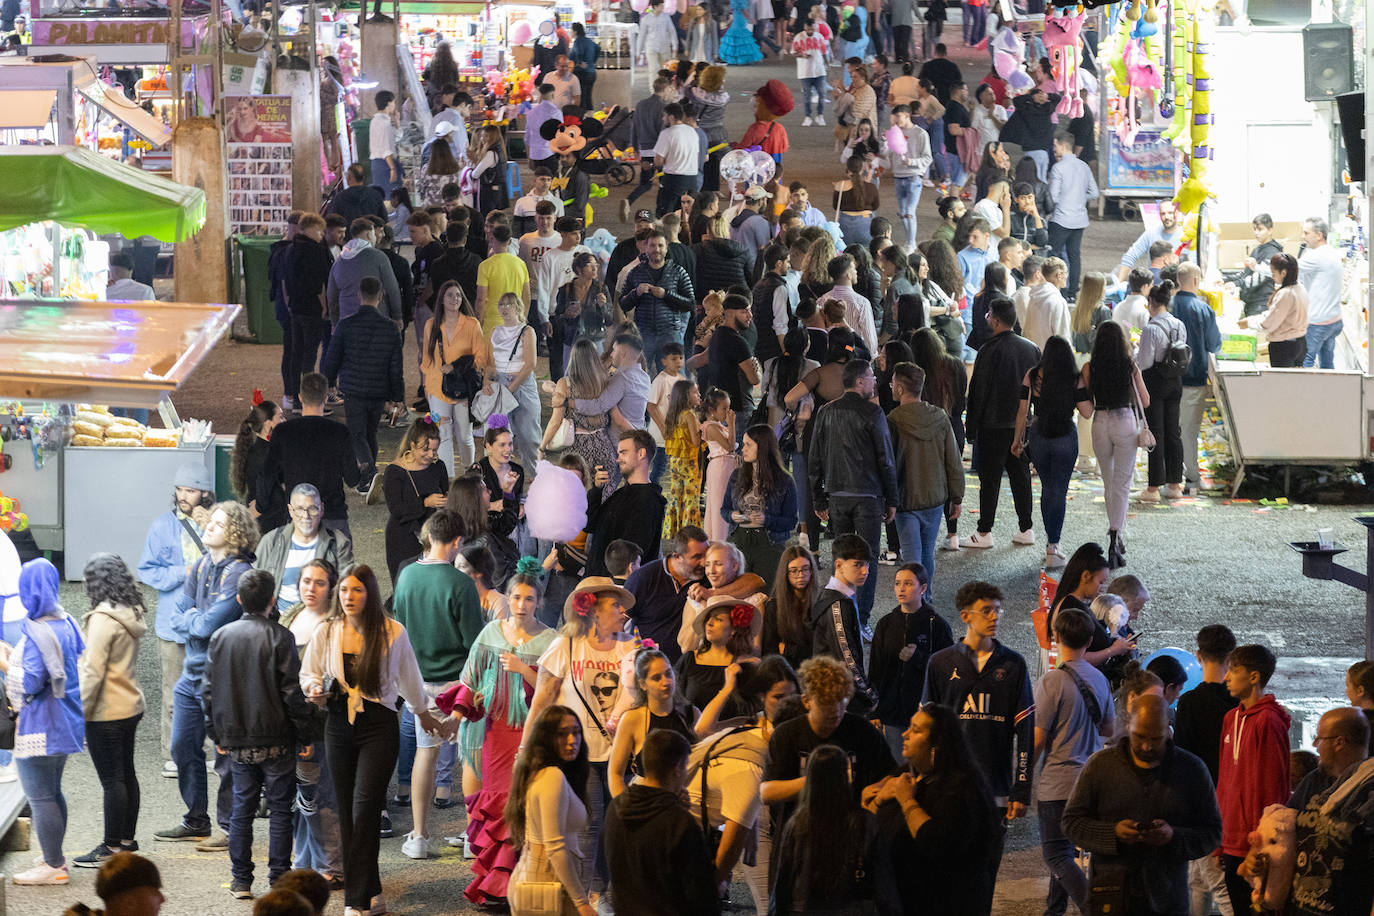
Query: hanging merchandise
x,y
1062,39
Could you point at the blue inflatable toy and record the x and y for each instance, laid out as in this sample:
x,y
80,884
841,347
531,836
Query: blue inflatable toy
x,y
1184,658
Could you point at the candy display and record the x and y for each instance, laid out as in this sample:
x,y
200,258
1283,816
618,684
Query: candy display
x,y
11,518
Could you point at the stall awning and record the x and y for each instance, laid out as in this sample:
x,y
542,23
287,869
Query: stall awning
x,y
83,190
112,101
127,354
446,7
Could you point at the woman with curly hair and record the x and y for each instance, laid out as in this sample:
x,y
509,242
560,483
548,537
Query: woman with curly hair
x,y
111,699
760,502
247,458
415,484
366,659
657,704
492,698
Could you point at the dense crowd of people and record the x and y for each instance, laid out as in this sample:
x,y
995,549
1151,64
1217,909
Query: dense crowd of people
x,y
680,690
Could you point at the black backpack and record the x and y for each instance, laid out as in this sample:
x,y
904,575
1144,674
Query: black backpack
x,y
852,30
1176,358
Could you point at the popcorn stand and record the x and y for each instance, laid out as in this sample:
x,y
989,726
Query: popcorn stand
x,y
74,476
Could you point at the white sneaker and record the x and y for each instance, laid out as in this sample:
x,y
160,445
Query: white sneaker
x,y
1054,559
42,873
1149,495
820,120
415,846
806,122
950,543
978,539
8,773
1024,538
169,769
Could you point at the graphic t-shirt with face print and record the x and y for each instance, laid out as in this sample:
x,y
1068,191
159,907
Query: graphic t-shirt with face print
x,y
596,677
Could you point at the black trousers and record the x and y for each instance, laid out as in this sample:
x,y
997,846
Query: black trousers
x,y
646,179
994,457
901,42
1166,461
1068,244
586,81
861,515
307,333
362,418
361,758
111,743
1287,354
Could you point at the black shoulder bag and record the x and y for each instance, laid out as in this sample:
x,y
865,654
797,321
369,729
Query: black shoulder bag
x,y
596,720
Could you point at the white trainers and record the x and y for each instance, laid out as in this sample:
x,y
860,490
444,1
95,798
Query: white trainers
x,y
1149,495
1054,559
1172,491
950,543
806,122
42,873
1024,538
415,846
978,539
169,769
820,120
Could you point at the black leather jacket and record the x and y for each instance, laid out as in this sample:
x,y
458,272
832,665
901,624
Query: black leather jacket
x,y
851,451
251,689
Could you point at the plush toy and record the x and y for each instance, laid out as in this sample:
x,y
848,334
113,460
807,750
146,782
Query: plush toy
x,y
1061,38
1273,855
556,504
571,134
1008,50
1184,17
772,100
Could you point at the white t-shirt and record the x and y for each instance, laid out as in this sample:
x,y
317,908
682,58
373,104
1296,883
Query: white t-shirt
x,y
680,149
984,124
594,676
296,557
381,135
551,274
1132,311
810,51
660,392
732,792
986,209
525,205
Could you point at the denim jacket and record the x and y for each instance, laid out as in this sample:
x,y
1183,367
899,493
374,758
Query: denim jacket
x,y
779,513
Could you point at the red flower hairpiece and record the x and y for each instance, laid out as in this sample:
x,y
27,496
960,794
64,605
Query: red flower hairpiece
x,y
741,616
584,603
647,643
257,396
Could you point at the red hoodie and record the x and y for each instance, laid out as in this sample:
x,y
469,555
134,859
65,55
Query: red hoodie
x,y
1254,769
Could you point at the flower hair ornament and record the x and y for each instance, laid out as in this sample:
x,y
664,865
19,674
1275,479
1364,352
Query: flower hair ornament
x,y
584,603
498,421
257,397
646,644
741,616
530,566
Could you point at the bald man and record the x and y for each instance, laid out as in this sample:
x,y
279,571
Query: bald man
x,y
1335,805
1144,808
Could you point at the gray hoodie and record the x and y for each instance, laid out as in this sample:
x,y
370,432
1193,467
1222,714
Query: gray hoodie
x,y
359,259
930,470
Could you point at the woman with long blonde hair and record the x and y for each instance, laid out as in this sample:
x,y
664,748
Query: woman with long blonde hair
x,y
1089,311
488,155
587,378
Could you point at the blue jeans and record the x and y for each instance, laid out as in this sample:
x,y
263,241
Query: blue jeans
x,y
381,176
1054,458
279,777
814,84
908,199
188,753
317,842
917,532
1066,878
41,780
1321,345
763,30
855,229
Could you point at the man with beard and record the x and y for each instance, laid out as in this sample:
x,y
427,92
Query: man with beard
x,y
1168,230
634,512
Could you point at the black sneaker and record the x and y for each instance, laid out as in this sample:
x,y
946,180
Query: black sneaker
x,y
241,890
131,846
386,832
95,858
182,834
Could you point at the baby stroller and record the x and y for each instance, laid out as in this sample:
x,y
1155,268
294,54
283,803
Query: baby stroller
x,y
610,155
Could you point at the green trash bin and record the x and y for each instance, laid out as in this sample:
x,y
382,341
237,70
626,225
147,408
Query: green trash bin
x,y
362,144
255,292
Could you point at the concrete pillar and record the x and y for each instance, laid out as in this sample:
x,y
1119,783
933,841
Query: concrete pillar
x,y
303,87
202,262
378,56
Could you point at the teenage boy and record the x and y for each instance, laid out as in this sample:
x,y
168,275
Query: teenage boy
x,y
988,686
660,393
439,607
622,559
533,247
1254,759
909,171
555,270
1134,311
811,51
974,257
799,202
1032,274
315,450
827,688
1074,714
835,617
541,188
1197,729
255,711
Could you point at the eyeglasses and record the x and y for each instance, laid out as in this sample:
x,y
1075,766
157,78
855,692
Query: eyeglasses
x,y
309,511
988,612
798,570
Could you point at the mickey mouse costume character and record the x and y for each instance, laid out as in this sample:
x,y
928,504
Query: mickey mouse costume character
x,y
567,141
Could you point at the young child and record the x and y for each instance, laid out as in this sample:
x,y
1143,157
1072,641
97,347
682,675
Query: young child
x,y
835,626
903,642
660,393
718,432
1254,759
682,446
622,559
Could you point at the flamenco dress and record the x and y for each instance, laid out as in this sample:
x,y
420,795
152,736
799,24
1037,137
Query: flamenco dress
x,y
738,46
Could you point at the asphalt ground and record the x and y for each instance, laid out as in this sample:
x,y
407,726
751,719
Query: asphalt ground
x,y
1207,559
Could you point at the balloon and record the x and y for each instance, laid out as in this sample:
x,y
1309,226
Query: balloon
x,y
521,32
1184,658
764,167
737,166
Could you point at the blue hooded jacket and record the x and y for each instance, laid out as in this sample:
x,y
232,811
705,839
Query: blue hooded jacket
x,y
48,724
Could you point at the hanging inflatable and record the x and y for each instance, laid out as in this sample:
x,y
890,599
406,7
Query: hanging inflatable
x,y
1062,39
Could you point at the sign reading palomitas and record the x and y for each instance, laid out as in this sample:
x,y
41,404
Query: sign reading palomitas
x,y
115,40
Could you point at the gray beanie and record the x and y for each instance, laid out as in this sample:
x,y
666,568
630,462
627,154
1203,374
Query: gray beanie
x,y
194,475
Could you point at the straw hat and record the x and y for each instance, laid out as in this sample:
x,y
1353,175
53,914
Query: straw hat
x,y
729,601
596,585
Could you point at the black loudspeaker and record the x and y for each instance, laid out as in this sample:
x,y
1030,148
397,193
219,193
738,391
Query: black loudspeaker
x,y
1351,109
1328,61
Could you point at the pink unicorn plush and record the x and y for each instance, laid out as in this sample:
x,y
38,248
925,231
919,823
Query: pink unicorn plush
x,y
1061,38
